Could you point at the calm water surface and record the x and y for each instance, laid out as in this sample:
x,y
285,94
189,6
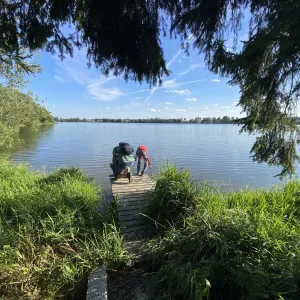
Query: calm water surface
x,y
217,153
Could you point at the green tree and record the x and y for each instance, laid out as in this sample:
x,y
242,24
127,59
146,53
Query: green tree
x,y
17,110
15,67
123,37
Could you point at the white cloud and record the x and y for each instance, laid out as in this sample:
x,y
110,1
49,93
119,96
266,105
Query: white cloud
x,y
53,106
126,105
179,92
180,61
151,109
58,78
191,99
103,94
177,109
225,107
107,108
189,69
167,108
169,83
234,103
215,80
205,107
159,110
168,103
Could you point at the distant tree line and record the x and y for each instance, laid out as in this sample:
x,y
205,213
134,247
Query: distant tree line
x,y
197,120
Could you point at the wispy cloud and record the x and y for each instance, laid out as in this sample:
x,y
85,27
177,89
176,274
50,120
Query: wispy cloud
x,y
74,69
182,110
189,69
169,83
205,107
235,103
168,65
191,99
168,103
58,78
53,106
179,92
107,108
151,109
215,80
167,108
226,107
152,91
103,94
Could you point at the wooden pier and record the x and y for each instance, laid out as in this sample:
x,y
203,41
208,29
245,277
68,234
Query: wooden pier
x,y
131,204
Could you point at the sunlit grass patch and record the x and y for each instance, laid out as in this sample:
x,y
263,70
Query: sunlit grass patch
x,y
51,233
239,245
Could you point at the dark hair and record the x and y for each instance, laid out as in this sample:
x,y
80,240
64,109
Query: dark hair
x,y
121,143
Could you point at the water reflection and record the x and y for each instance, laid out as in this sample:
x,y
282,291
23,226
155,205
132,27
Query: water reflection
x,y
212,152
28,139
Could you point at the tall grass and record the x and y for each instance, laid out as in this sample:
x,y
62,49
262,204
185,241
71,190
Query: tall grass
x,y
174,198
51,234
239,245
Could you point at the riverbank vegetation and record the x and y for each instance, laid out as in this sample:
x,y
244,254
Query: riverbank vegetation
x,y
51,232
16,110
213,245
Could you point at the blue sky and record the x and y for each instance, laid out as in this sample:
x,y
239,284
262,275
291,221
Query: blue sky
x,y
71,89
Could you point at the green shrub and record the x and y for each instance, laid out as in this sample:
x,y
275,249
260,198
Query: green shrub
x,y
240,245
51,234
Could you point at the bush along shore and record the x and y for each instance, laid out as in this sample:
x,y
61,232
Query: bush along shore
x,y
213,245
51,233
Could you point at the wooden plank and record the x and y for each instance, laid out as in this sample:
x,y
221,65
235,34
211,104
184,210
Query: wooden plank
x,y
128,212
138,235
136,206
138,188
129,217
132,202
114,185
131,223
123,193
135,228
119,194
133,179
130,192
141,184
132,189
132,196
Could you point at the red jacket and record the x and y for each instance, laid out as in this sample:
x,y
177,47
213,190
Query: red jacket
x,y
143,148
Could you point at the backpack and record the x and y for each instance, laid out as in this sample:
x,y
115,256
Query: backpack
x,y
126,149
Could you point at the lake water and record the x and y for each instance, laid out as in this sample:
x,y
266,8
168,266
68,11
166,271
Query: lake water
x,y
217,153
